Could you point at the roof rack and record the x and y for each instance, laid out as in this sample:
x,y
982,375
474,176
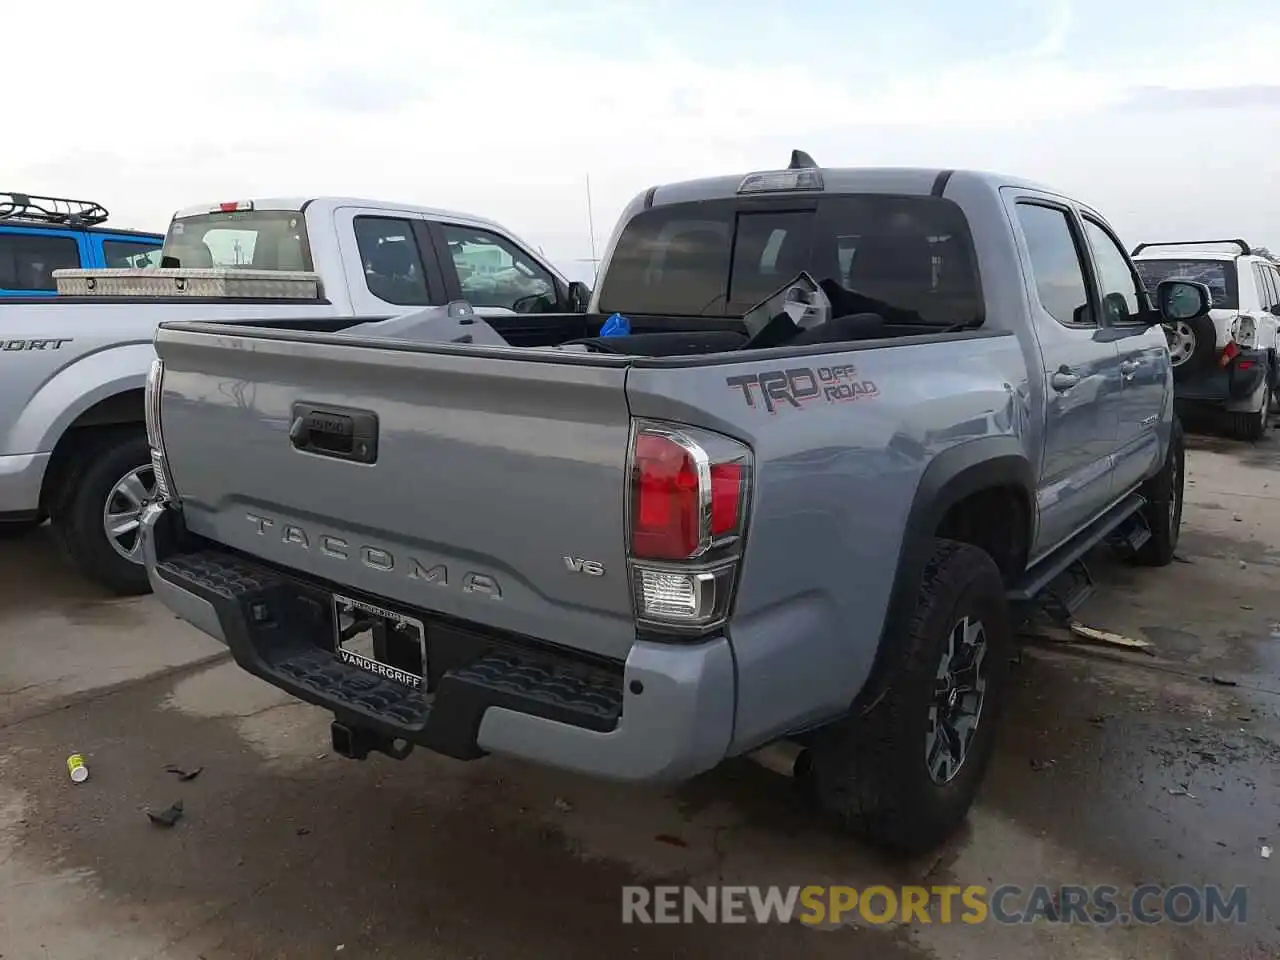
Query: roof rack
x,y
1245,249
27,206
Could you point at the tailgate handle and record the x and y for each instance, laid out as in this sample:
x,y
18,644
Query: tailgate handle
x,y
337,432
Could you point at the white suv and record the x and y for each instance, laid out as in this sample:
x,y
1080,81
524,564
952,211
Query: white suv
x,y
1229,358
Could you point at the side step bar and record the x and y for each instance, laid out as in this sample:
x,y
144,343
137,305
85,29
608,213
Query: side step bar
x,y
1039,577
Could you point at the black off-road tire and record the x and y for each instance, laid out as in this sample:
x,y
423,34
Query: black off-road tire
x,y
1163,511
1252,427
868,771
77,519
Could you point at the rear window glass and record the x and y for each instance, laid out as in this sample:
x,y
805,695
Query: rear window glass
x,y
1218,275
720,258
251,239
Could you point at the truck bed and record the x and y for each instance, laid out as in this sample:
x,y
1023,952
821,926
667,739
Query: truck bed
x,y
492,464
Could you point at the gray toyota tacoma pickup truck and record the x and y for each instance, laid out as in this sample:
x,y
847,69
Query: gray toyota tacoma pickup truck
x,y
861,417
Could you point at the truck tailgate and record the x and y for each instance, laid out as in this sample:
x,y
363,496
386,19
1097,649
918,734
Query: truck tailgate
x,y
489,477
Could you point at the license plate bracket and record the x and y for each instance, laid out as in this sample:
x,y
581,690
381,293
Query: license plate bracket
x,y
380,641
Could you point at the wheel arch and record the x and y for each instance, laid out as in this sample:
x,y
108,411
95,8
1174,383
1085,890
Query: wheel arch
x,y
120,410
977,474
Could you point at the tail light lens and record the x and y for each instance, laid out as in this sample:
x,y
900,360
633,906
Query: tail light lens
x,y
689,500
1244,331
155,439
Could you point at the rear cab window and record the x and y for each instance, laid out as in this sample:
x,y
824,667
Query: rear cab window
x,y
246,239
1218,275
911,255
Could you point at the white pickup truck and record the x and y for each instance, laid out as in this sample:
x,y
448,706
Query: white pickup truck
x,y
73,447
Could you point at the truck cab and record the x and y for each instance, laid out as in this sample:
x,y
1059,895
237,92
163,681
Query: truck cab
x,y
39,235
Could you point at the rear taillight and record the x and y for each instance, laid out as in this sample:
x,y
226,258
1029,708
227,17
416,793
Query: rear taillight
x,y
155,439
1229,353
688,511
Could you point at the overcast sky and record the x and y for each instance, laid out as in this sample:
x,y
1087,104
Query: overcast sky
x,y
1164,114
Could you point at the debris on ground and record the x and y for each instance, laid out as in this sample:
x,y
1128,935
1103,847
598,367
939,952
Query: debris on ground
x,y
168,816
1266,853
1098,719
1219,681
1077,632
1041,765
671,840
184,774
1106,636
302,831
75,766
563,805
1180,792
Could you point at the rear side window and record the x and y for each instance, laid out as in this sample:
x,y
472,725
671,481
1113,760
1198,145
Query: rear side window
x,y
1055,263
393,268
1268,294
1218,275
912,254
27,260
121,254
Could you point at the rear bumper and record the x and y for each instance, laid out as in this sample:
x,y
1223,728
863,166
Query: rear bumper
x,y
20,478
666,714
1236,386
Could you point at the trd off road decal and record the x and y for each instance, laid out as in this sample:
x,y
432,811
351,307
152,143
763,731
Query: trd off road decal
x,y
799,385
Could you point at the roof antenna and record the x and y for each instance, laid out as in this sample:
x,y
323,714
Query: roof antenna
x,y
801,160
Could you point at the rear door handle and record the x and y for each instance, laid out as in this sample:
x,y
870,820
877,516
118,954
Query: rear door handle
x,y
1063,380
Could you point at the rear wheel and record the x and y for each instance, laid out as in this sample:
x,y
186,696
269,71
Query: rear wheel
x,y
1253,426
904,775
1163,511
98,521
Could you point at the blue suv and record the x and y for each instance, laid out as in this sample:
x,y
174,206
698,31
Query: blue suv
x,y
39,235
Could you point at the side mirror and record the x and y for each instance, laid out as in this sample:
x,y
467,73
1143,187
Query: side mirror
x,y
579,296
1178,300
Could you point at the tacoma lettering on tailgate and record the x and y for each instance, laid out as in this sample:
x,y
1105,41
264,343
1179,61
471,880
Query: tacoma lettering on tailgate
x,y
375,558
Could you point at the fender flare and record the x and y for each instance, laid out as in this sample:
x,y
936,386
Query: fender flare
x,y
64,397
949,478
